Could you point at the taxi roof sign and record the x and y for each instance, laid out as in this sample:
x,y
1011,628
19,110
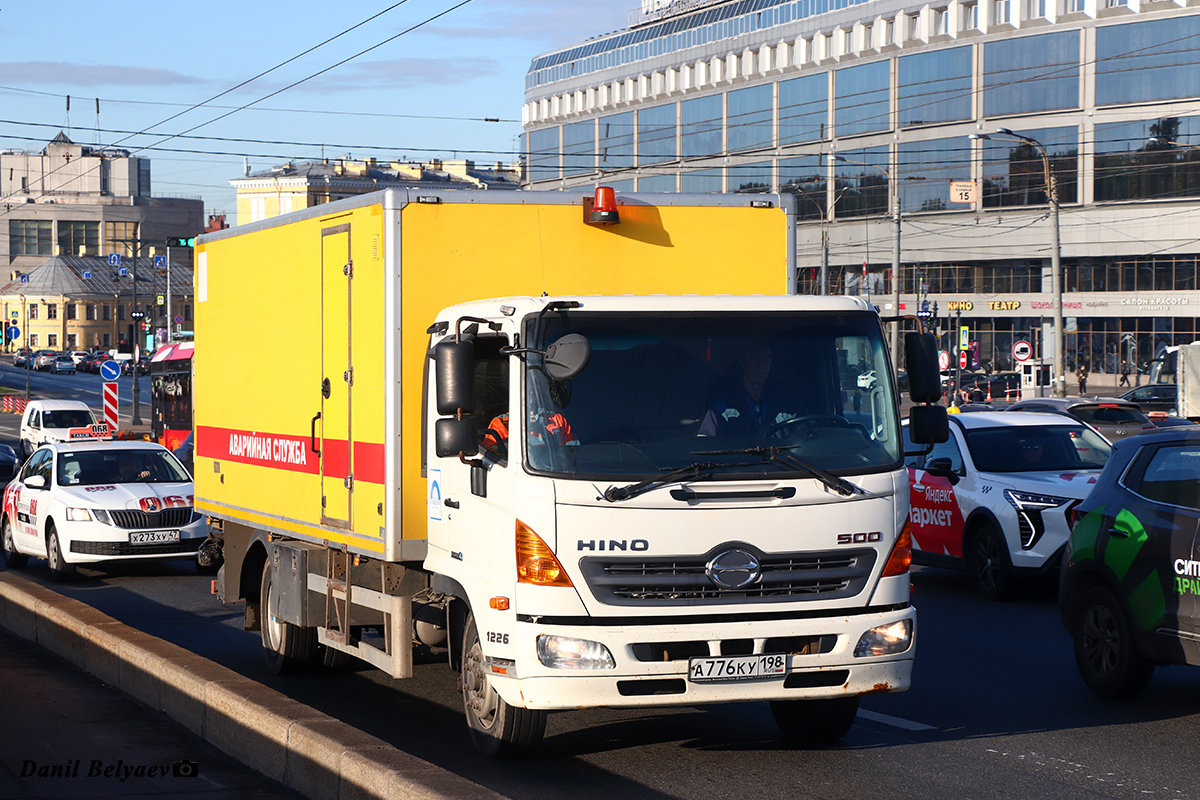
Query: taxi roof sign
x,y
100,430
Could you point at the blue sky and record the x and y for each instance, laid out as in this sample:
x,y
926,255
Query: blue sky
x,y
420,96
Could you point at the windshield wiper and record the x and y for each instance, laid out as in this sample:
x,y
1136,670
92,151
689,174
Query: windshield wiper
x,y
696,471
778,455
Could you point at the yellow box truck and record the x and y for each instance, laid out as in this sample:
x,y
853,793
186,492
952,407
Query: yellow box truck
x,y
643,473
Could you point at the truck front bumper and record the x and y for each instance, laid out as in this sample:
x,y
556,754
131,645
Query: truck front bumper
x,y
652,662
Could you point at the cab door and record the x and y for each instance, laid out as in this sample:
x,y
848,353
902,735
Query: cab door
x,y
337,482
30,505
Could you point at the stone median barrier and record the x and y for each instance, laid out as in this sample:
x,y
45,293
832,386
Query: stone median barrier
x,y
279,737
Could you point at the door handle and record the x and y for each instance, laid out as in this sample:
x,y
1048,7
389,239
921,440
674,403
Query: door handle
x,y
313,435
1114,531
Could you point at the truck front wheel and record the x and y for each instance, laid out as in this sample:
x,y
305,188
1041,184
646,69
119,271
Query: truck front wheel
x,y
815,722
498,730
289,648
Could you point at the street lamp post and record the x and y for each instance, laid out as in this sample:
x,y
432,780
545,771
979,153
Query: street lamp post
x,y
1056,279
894,192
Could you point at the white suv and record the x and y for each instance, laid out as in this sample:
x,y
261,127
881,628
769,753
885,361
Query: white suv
x,y
48,421
994,497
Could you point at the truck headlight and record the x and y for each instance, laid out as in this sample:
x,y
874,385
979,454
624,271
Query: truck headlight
x,y
79,515
564,652
885,640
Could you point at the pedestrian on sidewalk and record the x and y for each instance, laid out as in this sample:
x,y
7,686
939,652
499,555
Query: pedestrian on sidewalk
x,y
1124,373
1082,375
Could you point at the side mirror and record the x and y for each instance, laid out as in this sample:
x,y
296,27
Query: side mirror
x,y
924,378
453,436
454,368
35,482
567,356
940,467
928,424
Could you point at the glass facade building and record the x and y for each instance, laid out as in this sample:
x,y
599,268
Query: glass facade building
x,y
757,95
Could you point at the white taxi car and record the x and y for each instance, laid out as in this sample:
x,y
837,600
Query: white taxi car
x,y
996,495
89,502
48,421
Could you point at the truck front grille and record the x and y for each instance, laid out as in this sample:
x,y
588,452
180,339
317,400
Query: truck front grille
x,y
685,581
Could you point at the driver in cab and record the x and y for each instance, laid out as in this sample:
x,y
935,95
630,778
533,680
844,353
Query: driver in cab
x,y
755,406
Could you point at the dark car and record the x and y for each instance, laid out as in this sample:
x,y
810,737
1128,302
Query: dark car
x,y
1155,397
1130,591
1112,416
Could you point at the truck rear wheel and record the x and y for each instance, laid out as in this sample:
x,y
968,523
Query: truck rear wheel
x,y
815,722
289,648
498,730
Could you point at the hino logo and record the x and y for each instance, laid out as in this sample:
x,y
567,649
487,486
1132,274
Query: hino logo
x,y
636,545
733,569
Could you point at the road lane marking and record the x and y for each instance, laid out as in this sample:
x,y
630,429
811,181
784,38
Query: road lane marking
x,y
895,722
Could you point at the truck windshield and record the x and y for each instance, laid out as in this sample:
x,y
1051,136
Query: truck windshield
x,y
725,391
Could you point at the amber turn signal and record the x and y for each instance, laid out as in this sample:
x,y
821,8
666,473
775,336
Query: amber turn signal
x,y
901,556
536,562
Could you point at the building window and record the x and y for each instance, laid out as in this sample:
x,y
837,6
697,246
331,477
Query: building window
x,y
1144,61
543,152
1014,174
107,340
1074,6
52,340
1000,12
106,312
861,102
656,134
934,86
1131,167
121,312
51,310
33,310
750,122
187,313
119,238
701,127
803,109
970,19
74,235
71,339
1032,73
579,148
90,311
888,32
914,27
941,24
70,308
30,237
1035,9
34,341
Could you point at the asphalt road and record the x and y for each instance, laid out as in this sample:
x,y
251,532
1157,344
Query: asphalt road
x,y
997,710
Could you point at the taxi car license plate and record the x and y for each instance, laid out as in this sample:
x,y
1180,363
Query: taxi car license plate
x,y
153,537
737,668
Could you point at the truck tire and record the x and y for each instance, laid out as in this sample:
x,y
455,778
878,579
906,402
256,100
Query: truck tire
x,y
988,562
289,648
815,722
12,559
1105,652
54,555
498,730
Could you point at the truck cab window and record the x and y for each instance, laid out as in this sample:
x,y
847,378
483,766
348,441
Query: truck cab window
x,y
491,395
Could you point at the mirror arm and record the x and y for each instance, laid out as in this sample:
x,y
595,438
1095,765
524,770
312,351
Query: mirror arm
x,y
458,334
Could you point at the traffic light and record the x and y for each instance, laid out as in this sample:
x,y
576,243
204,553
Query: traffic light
x,y
179,241
137,314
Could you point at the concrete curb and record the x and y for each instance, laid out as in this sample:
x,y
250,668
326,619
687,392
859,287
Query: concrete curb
x,y
283,739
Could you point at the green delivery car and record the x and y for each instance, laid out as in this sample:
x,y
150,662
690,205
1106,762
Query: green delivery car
x,y
1130,593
